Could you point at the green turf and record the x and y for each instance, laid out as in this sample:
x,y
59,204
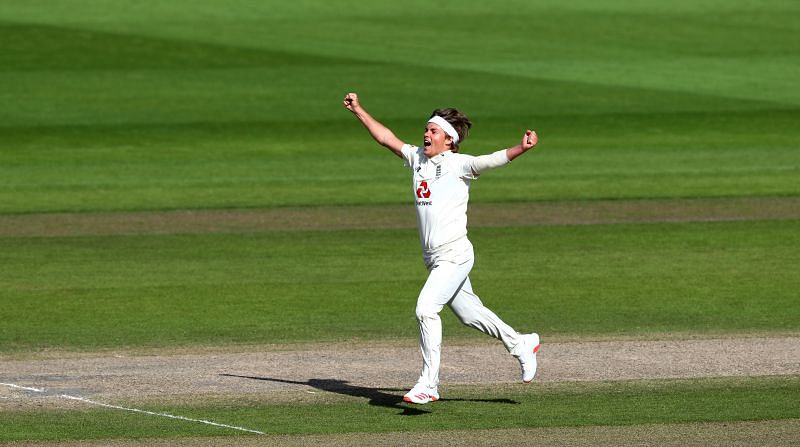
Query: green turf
x,y
145,104
160,290
375,410
183,104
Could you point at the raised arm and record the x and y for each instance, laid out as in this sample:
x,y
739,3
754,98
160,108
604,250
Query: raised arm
x,y
378,131
529,140
504,156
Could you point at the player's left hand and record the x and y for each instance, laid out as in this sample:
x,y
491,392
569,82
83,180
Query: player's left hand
x,y
529,140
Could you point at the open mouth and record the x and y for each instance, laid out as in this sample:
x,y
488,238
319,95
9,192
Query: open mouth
x,y
427,142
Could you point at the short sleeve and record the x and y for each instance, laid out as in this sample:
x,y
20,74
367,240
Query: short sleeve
x,y
410,155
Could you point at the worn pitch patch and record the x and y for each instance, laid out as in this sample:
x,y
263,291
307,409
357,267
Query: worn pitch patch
x,y
397,216
360,370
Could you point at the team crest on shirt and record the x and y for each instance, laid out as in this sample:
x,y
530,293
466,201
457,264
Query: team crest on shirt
x,y
423,192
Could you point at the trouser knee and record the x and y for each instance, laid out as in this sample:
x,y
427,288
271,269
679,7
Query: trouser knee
x,y
426,311
469,319
468,315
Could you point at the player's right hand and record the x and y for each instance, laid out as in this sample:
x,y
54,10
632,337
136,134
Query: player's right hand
x,y
351,102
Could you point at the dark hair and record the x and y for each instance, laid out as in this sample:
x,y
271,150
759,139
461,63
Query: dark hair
x,y
458,120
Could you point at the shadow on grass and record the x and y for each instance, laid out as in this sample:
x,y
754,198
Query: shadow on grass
x,y
377,396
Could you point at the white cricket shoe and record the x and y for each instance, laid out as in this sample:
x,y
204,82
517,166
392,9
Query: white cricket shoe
x,y
422,394
527,356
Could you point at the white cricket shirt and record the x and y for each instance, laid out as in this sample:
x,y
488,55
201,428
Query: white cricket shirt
x,y
441,192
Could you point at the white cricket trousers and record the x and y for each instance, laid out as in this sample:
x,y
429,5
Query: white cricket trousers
x,y
448,284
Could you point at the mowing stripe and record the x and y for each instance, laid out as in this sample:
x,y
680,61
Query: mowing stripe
x,y
135,410
569,212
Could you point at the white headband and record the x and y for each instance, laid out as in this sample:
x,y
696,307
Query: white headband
x,y
446,127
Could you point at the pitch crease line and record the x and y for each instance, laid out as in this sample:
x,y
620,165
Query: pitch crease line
x,y
26,388
136,410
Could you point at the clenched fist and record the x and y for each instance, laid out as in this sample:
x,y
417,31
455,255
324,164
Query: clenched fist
x,y
351,102
529,140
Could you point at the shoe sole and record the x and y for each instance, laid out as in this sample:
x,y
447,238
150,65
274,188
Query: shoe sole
x,y
408,399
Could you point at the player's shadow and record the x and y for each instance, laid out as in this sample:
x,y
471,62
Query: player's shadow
x,y
377,396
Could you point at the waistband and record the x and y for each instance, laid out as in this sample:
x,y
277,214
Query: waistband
x,y
446,246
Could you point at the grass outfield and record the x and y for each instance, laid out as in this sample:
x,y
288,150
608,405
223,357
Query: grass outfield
x,y
164,290
170,105
175,105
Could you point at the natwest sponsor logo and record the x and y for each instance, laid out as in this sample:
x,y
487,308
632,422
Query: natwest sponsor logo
x,y
422,191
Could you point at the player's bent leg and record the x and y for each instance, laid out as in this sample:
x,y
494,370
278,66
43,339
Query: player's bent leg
x,y
470,311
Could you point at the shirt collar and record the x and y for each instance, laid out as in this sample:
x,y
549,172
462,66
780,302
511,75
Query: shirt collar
x,y
437,159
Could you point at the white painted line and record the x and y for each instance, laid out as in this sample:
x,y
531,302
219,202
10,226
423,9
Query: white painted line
x,y
26,388
135,410
166,415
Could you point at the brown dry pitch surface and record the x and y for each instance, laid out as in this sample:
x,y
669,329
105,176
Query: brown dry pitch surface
x,y
281,375
398,216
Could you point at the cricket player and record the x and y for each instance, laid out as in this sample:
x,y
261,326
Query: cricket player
x,y
440,185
